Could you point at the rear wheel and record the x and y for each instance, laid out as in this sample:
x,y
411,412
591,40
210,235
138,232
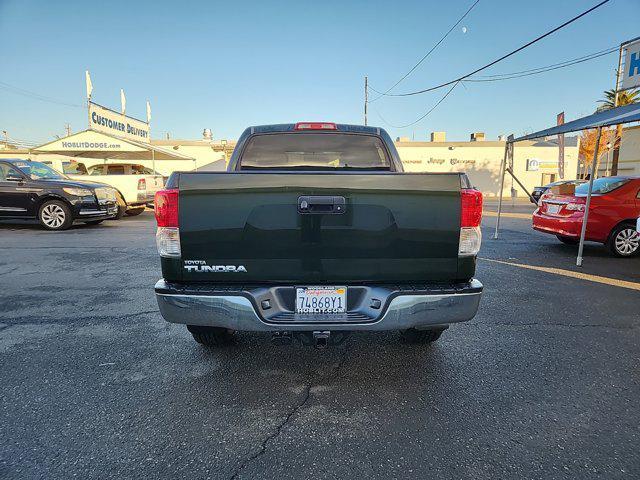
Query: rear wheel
x,y
568,240
55,215
211,336
132,212
624,241
413,335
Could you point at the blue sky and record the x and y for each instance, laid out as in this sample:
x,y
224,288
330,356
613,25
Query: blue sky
x,y
226,65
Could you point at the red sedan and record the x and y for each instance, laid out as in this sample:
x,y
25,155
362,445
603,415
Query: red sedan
x,y
614,210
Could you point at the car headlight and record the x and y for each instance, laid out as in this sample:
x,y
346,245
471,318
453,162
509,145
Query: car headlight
x,y
78,192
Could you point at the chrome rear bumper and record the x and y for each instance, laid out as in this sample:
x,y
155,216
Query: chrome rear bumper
x,y
237,311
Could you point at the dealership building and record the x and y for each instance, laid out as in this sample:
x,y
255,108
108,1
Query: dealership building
x,y
535,162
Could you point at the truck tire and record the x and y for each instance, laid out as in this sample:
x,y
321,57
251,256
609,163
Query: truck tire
x,y
55,215
624,241
413,335
568,240
132,212
211,336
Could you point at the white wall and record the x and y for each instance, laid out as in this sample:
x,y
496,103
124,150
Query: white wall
x,y
481,162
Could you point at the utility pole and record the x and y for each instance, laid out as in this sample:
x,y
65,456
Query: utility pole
x,y
618,139
366,97
67,129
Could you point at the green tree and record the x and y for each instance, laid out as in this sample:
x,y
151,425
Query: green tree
x,y
626,97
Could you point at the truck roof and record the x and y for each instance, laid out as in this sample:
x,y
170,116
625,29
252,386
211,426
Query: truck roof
x,y
290,127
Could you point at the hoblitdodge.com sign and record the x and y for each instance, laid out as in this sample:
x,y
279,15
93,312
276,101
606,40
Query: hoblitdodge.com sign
x,y
102,119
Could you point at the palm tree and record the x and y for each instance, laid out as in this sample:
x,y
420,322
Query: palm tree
x,y
626,97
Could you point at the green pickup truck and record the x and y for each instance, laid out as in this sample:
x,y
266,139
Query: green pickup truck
x,y
315,231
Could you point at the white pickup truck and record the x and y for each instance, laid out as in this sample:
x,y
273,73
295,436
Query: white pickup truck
x,y
136,184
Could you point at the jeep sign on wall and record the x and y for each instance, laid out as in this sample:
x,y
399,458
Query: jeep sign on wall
x,y
101,119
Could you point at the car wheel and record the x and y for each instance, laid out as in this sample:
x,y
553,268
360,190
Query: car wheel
x,y
121,211
413,335
568,240
94,222
55,215
624,240
122,207
132,212
211,336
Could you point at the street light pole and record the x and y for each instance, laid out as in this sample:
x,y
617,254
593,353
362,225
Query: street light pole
x,y
366,97
618,138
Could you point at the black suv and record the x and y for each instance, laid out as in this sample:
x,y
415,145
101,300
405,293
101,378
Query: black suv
x,y
31,189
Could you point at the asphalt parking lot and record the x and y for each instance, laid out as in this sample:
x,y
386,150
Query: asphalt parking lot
x,y
544,383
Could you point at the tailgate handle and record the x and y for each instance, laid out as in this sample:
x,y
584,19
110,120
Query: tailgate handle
x,y
321,204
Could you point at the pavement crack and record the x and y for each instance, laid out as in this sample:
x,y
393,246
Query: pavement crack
x,y
11,270
290,415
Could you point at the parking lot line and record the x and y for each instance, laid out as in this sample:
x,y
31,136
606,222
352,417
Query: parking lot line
x,y
489,213
570,273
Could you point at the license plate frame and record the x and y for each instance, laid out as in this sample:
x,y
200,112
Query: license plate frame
x,y
553,209
321,300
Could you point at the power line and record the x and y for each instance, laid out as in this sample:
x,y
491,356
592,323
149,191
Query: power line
x,y
548,68
508,76
423,116
513,52
36,96
429,52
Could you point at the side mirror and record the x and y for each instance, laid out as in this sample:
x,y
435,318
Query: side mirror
x,y
14,177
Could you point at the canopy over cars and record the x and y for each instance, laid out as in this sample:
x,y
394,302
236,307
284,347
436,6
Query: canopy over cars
x,y
614,116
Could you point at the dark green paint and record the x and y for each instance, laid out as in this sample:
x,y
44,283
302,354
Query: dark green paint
x,y
396,228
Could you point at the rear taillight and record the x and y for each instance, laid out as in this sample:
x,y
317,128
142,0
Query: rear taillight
x,y
574,207
142,184
168,234
470,218
471,207
315,126
166,208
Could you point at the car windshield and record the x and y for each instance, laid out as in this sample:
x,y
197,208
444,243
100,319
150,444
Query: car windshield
x,y
315,150
601,185
38,171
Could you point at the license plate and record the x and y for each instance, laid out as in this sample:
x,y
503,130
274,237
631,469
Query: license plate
x,y
553,209
321,299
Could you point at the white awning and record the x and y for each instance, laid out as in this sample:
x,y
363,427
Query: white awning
x,y
92,144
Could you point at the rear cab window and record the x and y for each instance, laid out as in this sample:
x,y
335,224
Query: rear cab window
x,y
315,151
116,170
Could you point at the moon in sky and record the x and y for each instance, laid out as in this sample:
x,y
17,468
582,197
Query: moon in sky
x,y
464,29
